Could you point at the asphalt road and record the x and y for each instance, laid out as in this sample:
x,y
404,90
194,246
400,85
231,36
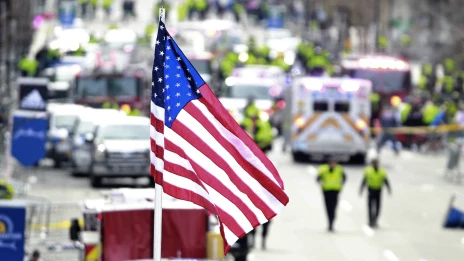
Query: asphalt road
x,y
410,223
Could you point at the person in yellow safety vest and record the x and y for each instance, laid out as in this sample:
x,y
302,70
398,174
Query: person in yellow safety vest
x,y
84,4
375,178
405,109
449,66
405,41
107,6
331,177
448,84
28,67
281,63
429,113
228,64
94,40
80,51
238,10
251,110
6,190
382,43
111,104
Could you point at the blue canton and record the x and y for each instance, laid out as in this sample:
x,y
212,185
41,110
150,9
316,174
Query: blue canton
x,y
175,82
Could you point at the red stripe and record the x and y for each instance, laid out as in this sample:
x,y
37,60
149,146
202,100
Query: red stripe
x,y
157,124
185,194
262,179
155,148
217,185
223,116
200,145
157,175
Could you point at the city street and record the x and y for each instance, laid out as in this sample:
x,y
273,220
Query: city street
x,y
410,223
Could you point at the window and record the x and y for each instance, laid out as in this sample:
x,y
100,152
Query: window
x,y
245,91
384,80
91,87
117,87
202,66
321,106
122,87
85,127
125,132
65,121
342,107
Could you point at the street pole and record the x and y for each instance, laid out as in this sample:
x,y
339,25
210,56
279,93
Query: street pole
x,y
158,215
375,23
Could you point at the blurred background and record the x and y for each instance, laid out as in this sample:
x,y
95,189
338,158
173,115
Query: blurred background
x,y
84,68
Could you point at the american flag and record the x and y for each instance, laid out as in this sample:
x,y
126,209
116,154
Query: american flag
x,y
200,154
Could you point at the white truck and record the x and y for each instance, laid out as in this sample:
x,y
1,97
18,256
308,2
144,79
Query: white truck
x,y
328,117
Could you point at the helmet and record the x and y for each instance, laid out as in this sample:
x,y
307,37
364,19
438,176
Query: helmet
x,y
372,155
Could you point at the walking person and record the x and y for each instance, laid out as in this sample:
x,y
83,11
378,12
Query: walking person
x,y
374,178
389,118
331,177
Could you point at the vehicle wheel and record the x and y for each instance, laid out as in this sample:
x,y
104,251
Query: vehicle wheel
x,y
95,181
299,157
359,159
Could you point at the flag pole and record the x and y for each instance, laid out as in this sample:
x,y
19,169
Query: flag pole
x,y
158,215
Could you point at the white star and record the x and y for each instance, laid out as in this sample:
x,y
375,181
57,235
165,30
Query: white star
x,y
168,98
178,105
167,66
177,84
167,76
189,78
189,94
152,83
156,95
162,27
170,119
160,79
161,53
188,70
198,90
167,57
169,47
178,67
156,68
177,94
169,37
169,108
178,59
157,42
163,89
167,86
177,75
190,87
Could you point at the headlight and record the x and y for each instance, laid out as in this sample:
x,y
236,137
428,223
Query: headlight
x,y
100,152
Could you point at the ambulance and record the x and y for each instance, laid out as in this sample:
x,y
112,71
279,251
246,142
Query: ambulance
x,y
119,226
328,117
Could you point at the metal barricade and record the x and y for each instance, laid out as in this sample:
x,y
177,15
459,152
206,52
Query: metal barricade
x,y
453,170
48,229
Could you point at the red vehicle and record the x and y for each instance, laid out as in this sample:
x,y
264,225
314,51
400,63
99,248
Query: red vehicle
x,y
120,227
95,89
390,76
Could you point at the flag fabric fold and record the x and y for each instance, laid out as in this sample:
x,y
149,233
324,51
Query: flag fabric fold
x,y
200,154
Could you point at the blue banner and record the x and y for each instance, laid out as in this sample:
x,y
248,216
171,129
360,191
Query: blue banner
x,y
67,13
12,227
29,139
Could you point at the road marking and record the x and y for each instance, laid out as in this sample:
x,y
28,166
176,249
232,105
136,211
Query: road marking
x,y
462,240
345,205
390,255
368,231
427,187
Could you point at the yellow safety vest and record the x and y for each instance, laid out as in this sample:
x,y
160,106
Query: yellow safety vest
x,y
251,111
375,179
6,190
331,181
109,105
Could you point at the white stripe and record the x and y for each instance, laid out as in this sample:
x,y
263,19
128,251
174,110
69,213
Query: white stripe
x,y
231,238
246,153
177,159
157,162
209,139
209,166
185,183
156,136
157,111
218,199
